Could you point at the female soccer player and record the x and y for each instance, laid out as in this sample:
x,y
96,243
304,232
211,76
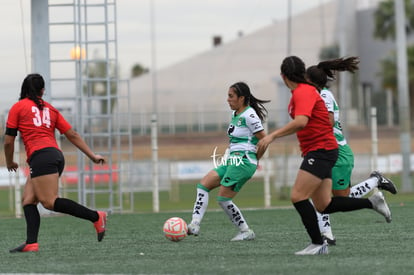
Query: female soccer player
x,y
310,122
319,75
244,131
36,120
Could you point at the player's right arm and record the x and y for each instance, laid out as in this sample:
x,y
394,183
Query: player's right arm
x,y
9,151
12,126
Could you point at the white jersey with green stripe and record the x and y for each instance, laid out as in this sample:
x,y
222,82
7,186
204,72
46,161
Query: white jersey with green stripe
x,y
333,107
241,131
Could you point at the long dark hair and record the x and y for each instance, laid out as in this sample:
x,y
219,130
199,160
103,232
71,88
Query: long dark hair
x,y
293,68
242,89
325,70
32,88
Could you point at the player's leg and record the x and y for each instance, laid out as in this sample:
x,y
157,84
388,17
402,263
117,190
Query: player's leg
x,y
305,185
313,181
324,223
46,167
32,218
376,180
46,188
208,183
341,182
234,179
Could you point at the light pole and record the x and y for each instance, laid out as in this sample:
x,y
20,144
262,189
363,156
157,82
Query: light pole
x,y
77,54
403,96
154,117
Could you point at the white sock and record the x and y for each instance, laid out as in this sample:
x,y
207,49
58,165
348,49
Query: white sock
x,y
361,189
200,205
234,214
324,222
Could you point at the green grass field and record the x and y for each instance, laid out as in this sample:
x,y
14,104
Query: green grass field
x,y
135,244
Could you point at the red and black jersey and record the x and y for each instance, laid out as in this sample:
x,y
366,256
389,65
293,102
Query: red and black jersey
x,y
318,133
37,127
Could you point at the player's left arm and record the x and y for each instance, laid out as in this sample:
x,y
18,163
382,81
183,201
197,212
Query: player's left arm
x,y
260,152
78,141
332,118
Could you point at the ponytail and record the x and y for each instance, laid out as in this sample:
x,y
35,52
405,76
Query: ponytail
x,y
325,70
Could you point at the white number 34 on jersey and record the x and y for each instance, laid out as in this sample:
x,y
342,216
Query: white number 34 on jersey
x,y
41,117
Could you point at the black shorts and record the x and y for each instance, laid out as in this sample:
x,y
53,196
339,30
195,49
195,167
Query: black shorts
x,y
320,162
46,161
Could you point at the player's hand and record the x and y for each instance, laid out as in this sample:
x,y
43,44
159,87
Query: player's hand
x,y
12,167
264,143
98,159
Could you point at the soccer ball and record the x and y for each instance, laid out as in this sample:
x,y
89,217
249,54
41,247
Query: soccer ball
x,y
175,229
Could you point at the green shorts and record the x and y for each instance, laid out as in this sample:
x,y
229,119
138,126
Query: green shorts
x,y
342,171
236,172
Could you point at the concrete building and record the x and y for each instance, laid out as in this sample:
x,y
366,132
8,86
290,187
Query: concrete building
x,y
192,93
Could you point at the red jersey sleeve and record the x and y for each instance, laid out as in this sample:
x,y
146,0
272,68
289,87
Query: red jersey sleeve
x,y
61,124
13,117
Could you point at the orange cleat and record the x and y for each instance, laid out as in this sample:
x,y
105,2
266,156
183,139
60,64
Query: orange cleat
x,y
100,225
31,247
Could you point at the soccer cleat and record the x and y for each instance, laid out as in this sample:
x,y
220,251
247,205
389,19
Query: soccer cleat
x,y
384,183
30,247
380,205
329,237
193,228
100,225
314,249
244,236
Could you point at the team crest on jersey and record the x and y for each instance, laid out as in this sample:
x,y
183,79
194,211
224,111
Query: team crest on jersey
x,y
239,122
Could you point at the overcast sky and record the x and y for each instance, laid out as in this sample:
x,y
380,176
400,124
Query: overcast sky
x,y
183,29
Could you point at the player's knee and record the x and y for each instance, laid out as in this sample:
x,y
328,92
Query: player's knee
x,y
26,200
223,202
296,197
48,204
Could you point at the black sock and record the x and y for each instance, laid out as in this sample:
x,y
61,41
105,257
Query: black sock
x,y
70,207
309,220
345,204
31,214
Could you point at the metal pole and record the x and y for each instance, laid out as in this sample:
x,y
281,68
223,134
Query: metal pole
x,y
403,96
154,118
266,174
40,42
390,108
289,28
79,99
17,182
343,49
374,139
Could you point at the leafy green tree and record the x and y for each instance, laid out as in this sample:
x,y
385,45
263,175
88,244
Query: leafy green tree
x,y
97,83
329,52
138,70
384,17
